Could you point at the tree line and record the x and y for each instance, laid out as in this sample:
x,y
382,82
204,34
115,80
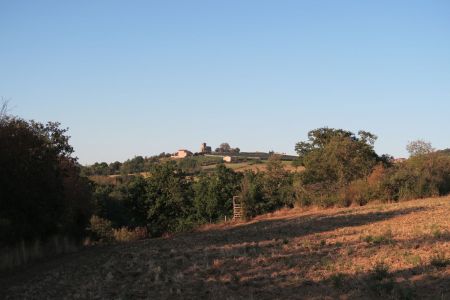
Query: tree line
x,y
44,192
137,164
340,169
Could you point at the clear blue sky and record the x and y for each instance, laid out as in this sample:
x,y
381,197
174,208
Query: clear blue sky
x,y
141,77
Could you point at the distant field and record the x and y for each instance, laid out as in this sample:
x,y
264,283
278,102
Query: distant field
x,y
113,179
379,251
256,167
238,167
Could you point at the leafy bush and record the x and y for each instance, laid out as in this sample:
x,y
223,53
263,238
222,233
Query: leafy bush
x,y
420,176
125,234
358,192
277,185
385,238
321,194
251,194
300,193
362,191
101,229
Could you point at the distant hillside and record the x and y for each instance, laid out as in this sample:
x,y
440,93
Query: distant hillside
x,y
254,155
255,166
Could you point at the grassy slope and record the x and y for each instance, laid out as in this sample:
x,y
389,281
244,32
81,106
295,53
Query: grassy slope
x,y
246,166
293,254
238,167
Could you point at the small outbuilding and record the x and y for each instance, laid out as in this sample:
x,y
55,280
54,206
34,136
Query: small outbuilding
x,y
182,153
229,159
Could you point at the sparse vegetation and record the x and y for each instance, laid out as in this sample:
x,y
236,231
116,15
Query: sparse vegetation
x,y
385,238
440,259
101,229
286,254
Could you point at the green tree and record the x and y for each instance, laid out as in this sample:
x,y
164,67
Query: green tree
x,y
319,138
252,194
224,148
114,168
277,185
134,165
41,192
78,204
336,156
135,200
169,199
419,147
189,165
420,176
333,158
214,193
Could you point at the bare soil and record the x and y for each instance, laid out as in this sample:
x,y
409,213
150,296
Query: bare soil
x,y
391,251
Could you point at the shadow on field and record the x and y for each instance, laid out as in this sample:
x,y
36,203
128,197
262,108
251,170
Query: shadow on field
x,y
260,260
419,282
414,283
244,276
298,226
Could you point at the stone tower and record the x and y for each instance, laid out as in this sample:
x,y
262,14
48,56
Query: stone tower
x,y
204,148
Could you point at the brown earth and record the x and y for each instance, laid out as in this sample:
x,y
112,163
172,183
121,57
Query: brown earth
x,y
391,251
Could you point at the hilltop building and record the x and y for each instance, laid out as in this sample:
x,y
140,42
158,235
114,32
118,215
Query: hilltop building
x,y
204,149
182,153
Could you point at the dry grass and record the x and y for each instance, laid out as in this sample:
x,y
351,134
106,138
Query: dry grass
x,y
392,251
262,167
